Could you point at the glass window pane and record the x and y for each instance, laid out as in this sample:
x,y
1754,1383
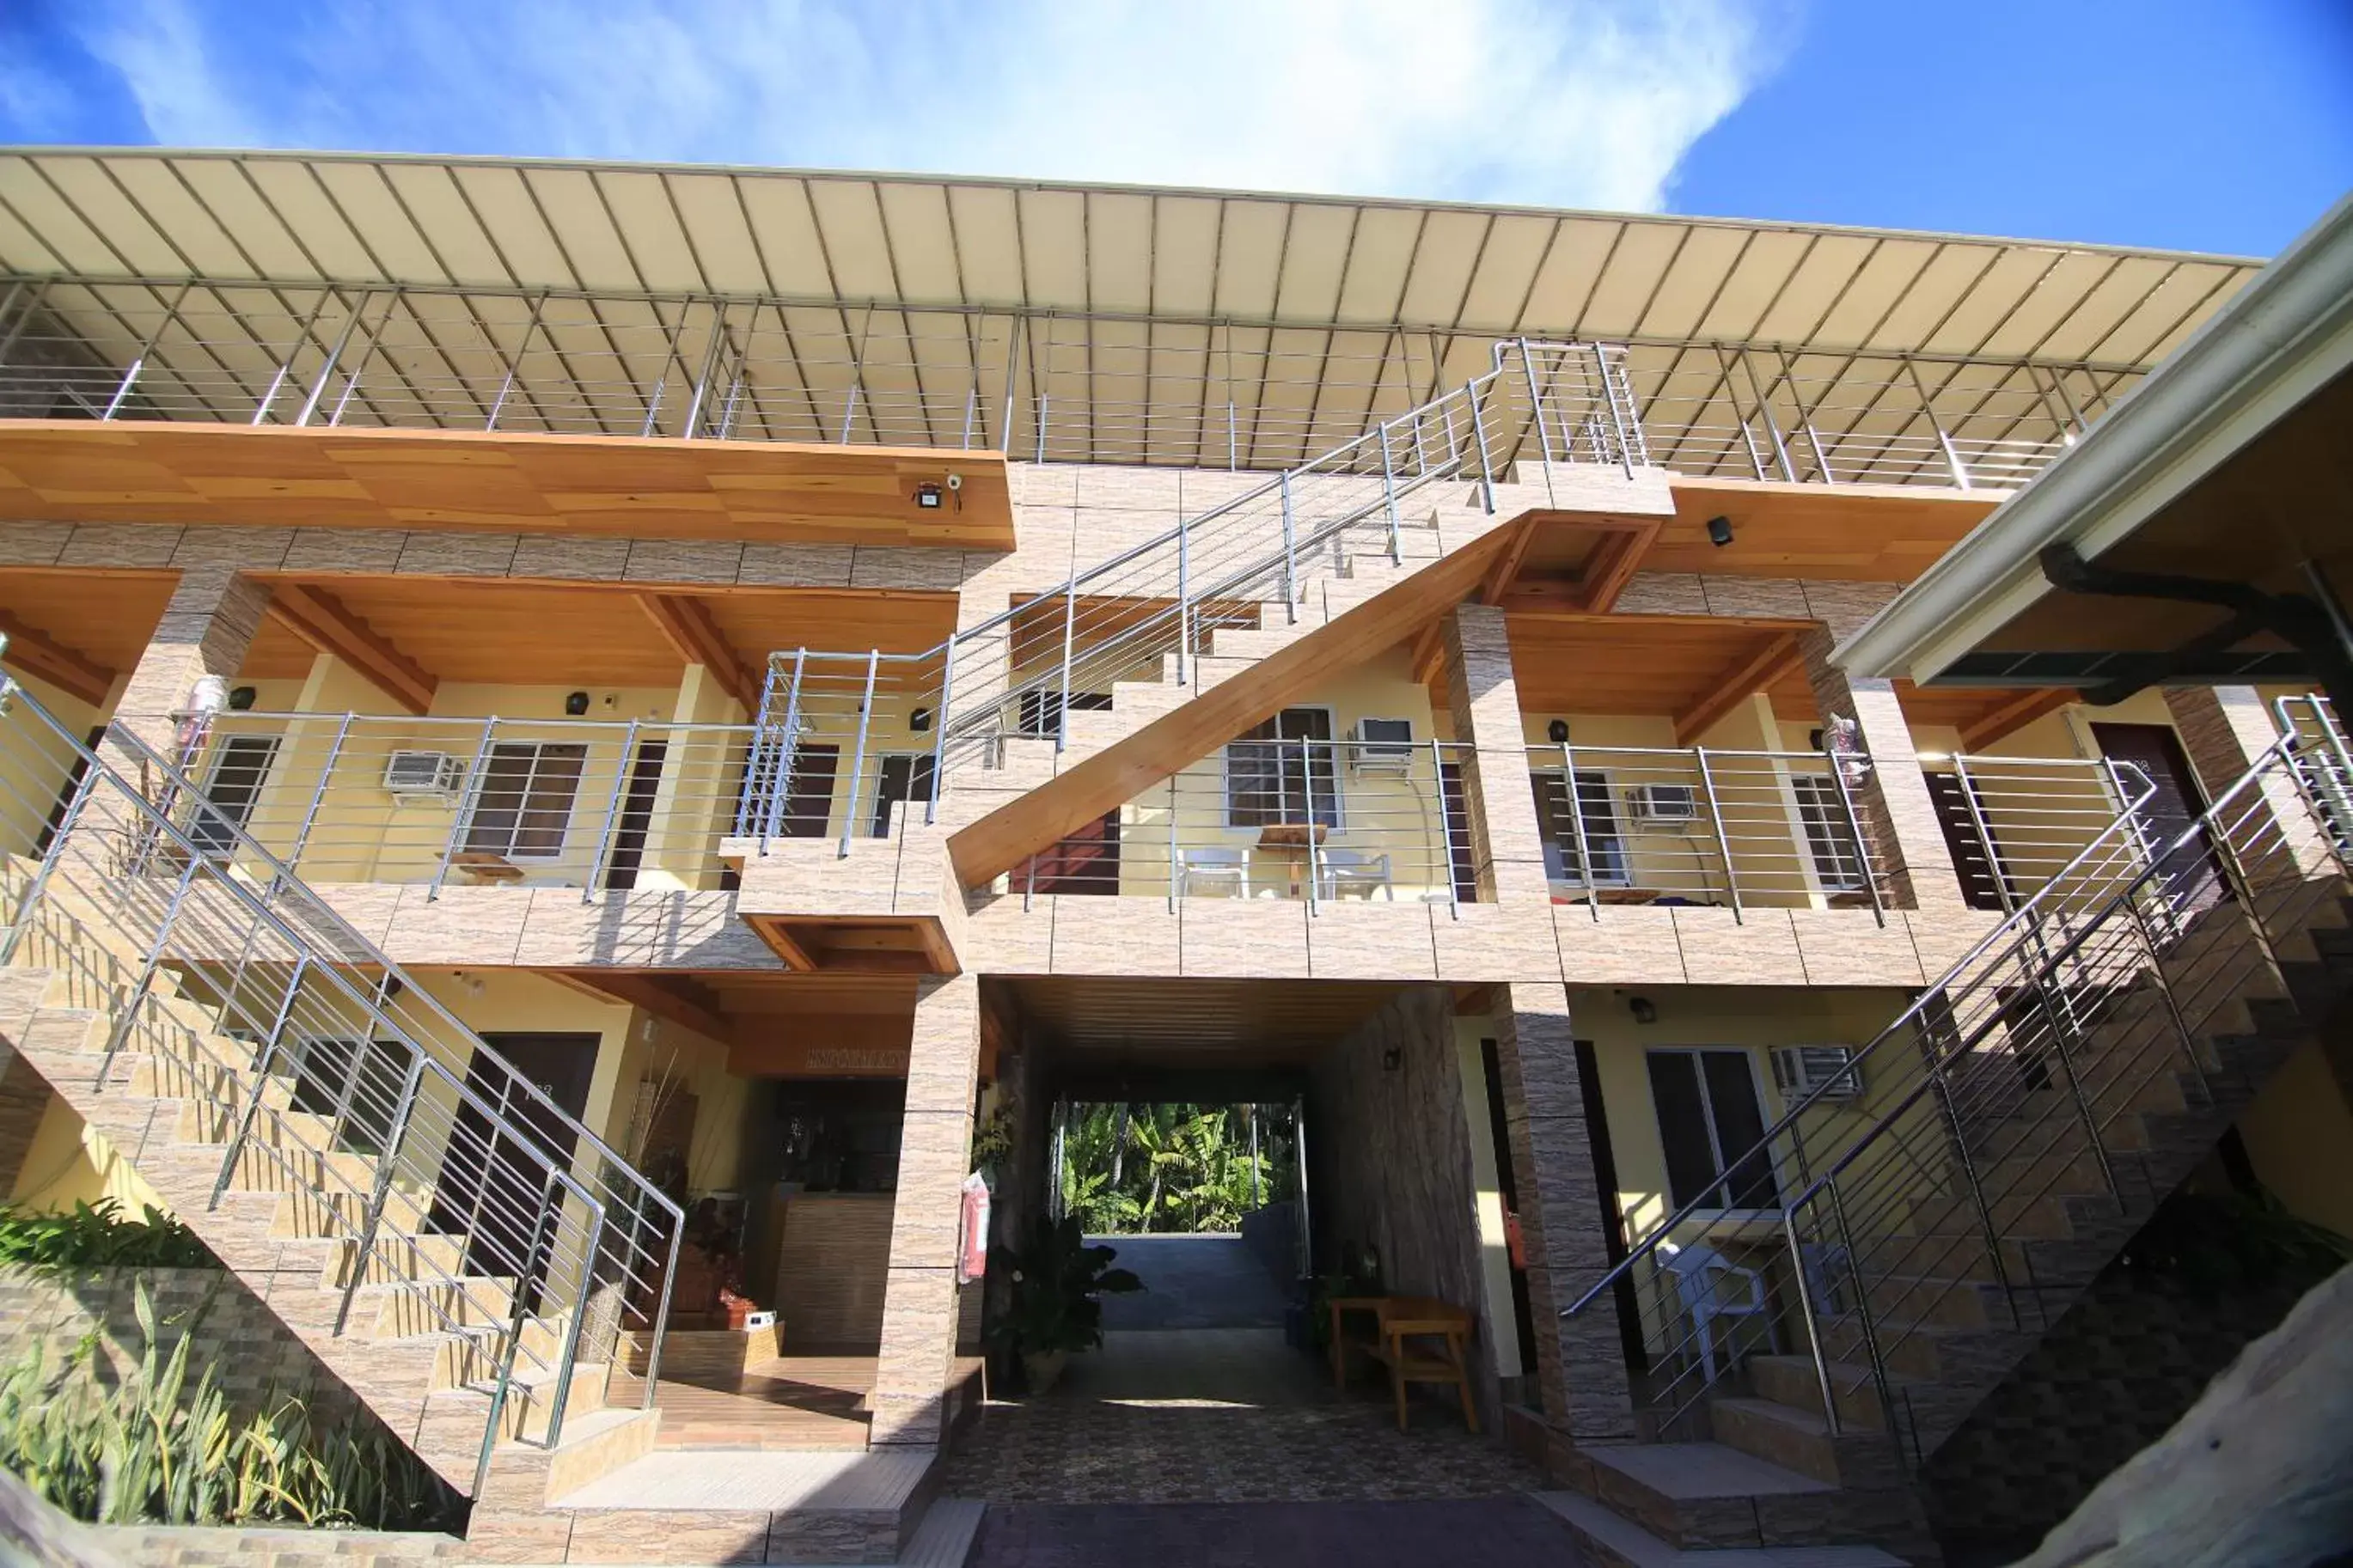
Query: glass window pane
x,y
1739,1126
1682,1124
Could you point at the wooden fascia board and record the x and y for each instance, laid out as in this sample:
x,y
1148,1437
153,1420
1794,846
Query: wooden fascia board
x,y
320,619
40,654
1757,673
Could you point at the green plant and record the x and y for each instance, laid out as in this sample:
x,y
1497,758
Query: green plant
x,y
98,1235
155,1449
992,1141
2212,1244
1056,1281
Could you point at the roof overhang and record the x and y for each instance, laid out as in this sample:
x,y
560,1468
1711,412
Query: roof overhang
x,y
2226,463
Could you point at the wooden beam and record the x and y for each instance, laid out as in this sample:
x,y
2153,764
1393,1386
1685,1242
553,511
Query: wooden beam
x,y
691,630
39,654
1507,564
2013,714
320,619
664,999
1427,654
1616,560
784,944
1754,674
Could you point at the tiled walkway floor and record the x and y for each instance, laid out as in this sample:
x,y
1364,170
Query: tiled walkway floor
x,y
1459,1532
1224,1415
792,1402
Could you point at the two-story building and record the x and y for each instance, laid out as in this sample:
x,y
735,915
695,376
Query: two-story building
x,y
629,709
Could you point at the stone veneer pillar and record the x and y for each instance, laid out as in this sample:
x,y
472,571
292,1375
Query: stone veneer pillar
x,y
207,626
1899,816
2224,730
1580,1360
919,1300
1506,845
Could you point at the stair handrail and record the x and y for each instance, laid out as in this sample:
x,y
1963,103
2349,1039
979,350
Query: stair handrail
x,y
2032,909
502,1129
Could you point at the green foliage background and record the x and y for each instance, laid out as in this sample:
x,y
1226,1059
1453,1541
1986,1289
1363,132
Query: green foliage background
x,y
1130,1170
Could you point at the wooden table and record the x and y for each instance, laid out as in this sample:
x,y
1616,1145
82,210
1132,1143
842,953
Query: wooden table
x,y
1291,841
1395,1320
481,866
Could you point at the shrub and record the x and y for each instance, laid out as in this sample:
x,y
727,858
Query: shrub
x,y
157,1450
99,1236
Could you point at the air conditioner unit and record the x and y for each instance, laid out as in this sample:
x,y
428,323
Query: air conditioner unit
x,y
1799,1070
1381,746
1663,802
421,777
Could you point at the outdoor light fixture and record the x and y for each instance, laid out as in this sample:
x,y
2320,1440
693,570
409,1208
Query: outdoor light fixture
x,y
240,698
1719,531
576,703
1557,732
1645,1011
920,720
930,497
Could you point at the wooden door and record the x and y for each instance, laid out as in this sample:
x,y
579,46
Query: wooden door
x,y
491,1191
2193,879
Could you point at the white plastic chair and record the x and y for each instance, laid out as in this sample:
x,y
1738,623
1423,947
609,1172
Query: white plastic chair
x,y
1344,868
1700,1275
1214,866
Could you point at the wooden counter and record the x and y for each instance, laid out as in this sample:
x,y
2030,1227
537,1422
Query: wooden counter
x,y
833,1259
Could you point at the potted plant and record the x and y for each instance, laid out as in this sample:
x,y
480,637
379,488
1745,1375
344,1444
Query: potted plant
x,y
1056,1281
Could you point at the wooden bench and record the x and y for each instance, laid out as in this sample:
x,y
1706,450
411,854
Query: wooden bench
x,y
1397,1321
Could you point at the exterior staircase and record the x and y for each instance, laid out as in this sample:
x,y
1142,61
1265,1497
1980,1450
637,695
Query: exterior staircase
x,y
453,1247
1914,1238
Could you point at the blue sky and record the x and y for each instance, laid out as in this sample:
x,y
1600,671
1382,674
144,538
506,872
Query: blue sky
x,y
2202,124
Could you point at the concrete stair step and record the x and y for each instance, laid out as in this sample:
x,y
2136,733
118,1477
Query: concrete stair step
x,y
684,1506
1793,1381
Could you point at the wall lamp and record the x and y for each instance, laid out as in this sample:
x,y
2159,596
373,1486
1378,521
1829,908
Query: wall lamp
x,y
1719,532
1645,1011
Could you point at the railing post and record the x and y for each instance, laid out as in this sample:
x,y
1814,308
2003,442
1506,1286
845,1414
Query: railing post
x,y
1577,829
464,824
1862,1312
570,1355
1995,870
1813,1328
858,765
661,1310
1176,860
1388,496
506,385
2063,1028
1723,842
334,354
286,366
849,412
1806,419
703,376
1307,789
382,1189
1069,641
1012,367
262,1057
1861,849
550,1205
127,1017
1535,400
971,411
1289,553
1479,436
68,821
940,733
1184,595
772,816
1772,425
2172,1002
601,855
139,362
1928,411
319,792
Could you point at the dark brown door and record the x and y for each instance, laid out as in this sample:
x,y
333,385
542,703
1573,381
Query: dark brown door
x,y
637,815
1975,858
492,1189
1087,862
2192,880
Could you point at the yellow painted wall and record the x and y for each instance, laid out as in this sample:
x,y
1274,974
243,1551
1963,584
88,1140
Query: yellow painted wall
x,y
35,764
2299,1134
68,1162
1494,1246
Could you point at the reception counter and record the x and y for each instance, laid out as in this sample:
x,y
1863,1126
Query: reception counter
x,y
833,1258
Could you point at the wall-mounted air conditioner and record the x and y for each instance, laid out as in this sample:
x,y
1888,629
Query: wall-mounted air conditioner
x,y
422,778
1662,804
1799,1070
1381,746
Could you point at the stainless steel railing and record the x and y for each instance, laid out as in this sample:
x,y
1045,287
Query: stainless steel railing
x,y
2324,761
1892,1198
1703,824
1317,821
327,1073
2016,821
1149,612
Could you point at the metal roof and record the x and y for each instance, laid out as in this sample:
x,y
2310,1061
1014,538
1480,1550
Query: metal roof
x,y
1146,324
1489,270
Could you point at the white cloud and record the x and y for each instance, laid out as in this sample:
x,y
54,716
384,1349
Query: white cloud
x,y
1577,102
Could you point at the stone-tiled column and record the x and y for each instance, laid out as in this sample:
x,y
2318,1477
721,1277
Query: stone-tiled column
x,y
1899,818
1580,1360
206,628
2224,730
919,1307
1506,846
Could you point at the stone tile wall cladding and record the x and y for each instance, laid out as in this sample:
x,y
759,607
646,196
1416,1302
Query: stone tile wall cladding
x,y
2125,1363
1392,1167
174,1546
256,1354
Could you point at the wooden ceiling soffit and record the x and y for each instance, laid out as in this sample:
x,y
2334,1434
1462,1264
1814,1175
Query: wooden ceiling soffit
x,y
674,999
1757,672
320,619
683,619
858,944
39,654
2015,714
1617,555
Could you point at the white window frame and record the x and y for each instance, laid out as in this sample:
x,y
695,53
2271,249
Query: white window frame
x,y
515,829
1827,799
1757,1084
1339,823
1571,877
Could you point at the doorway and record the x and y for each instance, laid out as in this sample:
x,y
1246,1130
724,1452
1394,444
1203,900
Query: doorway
x,y
491,1191
2193,879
